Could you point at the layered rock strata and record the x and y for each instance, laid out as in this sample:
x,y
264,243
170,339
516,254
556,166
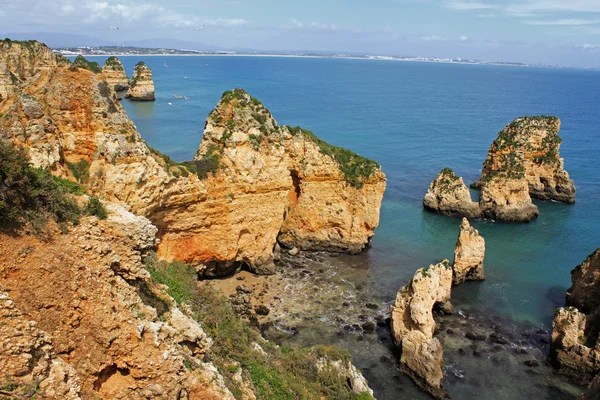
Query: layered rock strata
x,y
468,254
413,326
251,184
114,74
523,163
141,86
122,336
576,327
528,148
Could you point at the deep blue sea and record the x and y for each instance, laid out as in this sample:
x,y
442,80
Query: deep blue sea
x,y
415,119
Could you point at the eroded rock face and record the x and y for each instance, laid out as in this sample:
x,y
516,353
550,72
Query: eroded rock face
x,y
523,162
529,148
141,86
507,200
576,328
449,195
28,358
468,254
252,183
413,326
114,74
124,337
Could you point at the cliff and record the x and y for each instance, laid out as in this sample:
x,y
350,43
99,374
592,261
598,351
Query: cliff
x,y
576,327
141,86
114,74
523,163
252,182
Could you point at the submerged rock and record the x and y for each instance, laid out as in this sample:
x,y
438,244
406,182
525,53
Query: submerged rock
x,y
576,327
468,254
413,326
141,86
114,74
449,195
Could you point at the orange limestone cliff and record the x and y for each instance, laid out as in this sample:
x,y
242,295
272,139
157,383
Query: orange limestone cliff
x,y
252,182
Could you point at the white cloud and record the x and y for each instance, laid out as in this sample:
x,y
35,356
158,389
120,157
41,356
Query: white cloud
x,y
489,15
469,5
463,38
564,22
589,46
433,38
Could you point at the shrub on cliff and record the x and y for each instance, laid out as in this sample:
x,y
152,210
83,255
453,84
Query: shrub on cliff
x,y
80,170
95,207
31,196
284,373
82,62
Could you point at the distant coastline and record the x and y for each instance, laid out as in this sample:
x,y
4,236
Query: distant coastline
x,y
159,52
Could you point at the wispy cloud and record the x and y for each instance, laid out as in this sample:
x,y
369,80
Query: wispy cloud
x,y
469,5
589,46
433,38
463,38
564,22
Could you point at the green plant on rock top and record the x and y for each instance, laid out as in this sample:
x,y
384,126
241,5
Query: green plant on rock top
x,y
82,62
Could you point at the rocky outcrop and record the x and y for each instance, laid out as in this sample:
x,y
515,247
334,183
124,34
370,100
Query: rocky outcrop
x,y
114,74
355,380
468,254
118,333
449,195
253,182
141,86
28,360
507,200
413,326
523,162
593,390
528,148
576,327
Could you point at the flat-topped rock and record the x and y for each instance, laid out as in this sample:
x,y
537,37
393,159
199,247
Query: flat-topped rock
x,y
529,148
141,86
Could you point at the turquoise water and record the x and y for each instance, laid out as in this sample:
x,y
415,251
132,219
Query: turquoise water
x,y
415,119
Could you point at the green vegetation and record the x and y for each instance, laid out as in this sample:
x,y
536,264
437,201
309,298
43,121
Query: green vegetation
x,y
80,170
447,181
285,373
356,169
255,141
208,163
30,196
70,186
95,207
10,389
113,62
137,73
82,62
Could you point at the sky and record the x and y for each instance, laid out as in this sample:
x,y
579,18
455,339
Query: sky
x,y
556,32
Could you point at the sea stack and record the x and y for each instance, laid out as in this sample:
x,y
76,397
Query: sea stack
x,y
576,327
141,86
449,195
468,255
413,326
528,148
114,74
523,163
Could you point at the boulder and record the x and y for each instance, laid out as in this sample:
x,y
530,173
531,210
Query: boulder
x,y
449,195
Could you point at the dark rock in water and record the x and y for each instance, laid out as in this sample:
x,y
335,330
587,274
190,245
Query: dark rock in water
x,y
476,353
531,363
521,351
544,340
346,304
496,338
385,360
445,308
450,331
262,309
542,332
372,306
368,326
461,351
360,338
380,320
475,336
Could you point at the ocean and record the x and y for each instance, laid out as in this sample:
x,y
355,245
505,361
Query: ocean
x,y
415,119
